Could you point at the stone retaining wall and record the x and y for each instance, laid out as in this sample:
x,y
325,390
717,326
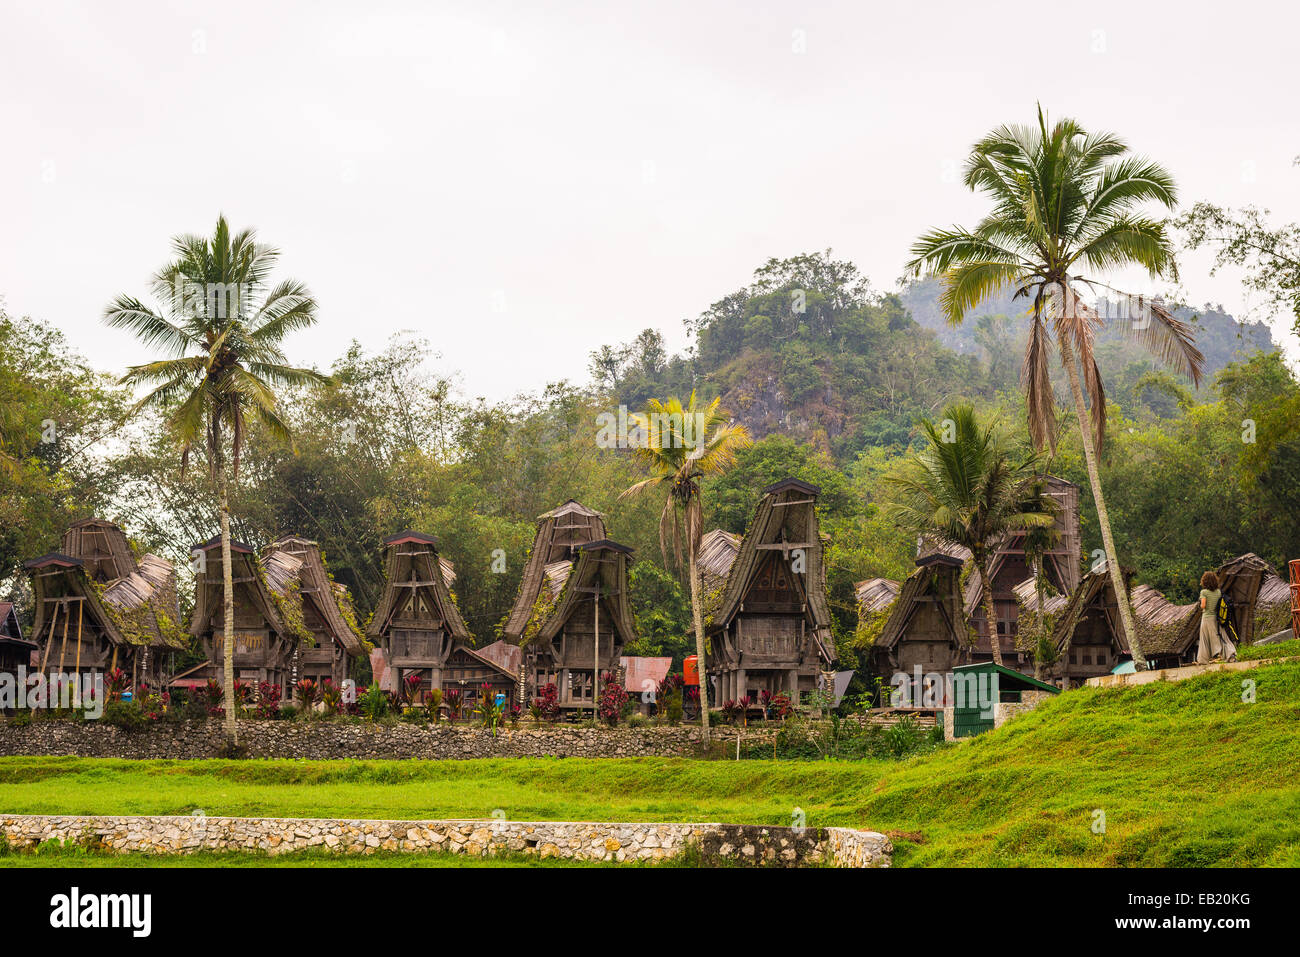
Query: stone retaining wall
x,y
322,740
593,841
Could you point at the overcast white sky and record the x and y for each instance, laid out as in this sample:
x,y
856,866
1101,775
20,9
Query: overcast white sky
x,y
522,182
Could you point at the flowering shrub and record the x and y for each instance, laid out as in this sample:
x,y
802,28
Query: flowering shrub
x,y
513,714
455,701
613,697
331,695
410,687
781,706
307,693
488,710
211,696
116,683
546,706
268,700
374,702
150,703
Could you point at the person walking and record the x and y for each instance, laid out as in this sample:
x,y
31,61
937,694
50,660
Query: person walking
x,y
1213,644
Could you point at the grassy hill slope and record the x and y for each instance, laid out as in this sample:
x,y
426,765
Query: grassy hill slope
x,y
1187,774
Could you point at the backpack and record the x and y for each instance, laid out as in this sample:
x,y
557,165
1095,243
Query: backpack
x,y
1227,620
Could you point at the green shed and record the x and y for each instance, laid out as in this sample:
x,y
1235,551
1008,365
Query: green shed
x,y
979,686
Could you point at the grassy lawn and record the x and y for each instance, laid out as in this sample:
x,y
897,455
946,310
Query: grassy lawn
x,y
1186,773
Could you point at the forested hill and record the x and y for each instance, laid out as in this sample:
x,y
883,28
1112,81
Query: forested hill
x,y
805,350
808,350
1219,336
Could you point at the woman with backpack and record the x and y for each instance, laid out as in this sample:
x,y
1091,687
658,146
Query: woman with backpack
x,y
1213,644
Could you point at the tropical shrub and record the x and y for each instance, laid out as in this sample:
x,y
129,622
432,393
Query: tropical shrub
x,y
613,698
374,703
433,704
331,695
308,693
455,702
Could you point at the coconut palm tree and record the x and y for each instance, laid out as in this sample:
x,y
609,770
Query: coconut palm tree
x,y
221,328
681,445
970,486
1066,211
1037,542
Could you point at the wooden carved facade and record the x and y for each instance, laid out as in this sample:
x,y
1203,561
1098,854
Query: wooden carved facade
x,y
572,616
97,608
925,633
15,650
1010,567
768,616
416,625
291,621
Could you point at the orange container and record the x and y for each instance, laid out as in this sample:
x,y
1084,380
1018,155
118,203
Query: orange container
x,y
1295,571
691,670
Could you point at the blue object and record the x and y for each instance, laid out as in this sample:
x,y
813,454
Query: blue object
x,y
1124,668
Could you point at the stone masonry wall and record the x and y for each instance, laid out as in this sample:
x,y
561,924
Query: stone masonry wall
x,y
593,841
321,740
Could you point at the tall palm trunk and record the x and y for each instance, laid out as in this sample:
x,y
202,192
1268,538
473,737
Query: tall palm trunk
x,y
995,643
1041,624
228,600
1103,517
697,613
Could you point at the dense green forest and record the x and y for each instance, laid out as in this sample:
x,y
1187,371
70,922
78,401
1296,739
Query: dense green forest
x,y
830,377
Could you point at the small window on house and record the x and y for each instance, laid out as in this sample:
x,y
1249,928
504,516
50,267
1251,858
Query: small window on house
x,y
1072,661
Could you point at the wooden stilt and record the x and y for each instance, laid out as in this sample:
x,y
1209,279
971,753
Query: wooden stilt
x,y
49,642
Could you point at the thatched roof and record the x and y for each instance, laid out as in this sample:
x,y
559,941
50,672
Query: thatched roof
x,y
1060,563
294,560
412,563
785,520
250,579
718,551
601,566
1027,595
559,534
1273,590
875,595
935,580
133,604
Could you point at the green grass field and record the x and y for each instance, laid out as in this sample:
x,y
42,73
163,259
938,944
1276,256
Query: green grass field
x,y
1186,774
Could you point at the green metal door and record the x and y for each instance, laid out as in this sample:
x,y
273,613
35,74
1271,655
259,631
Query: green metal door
x,y
967,722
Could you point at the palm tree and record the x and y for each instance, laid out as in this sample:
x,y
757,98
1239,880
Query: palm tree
x,y
1065,201
681,445
969,486
1038,540
221,328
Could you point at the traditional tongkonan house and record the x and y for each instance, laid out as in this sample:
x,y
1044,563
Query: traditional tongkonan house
x,y
15,650
291,621
1009,566
416,624
582,623
1088,635
98,609
766,608
325,609
566,641
924,634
